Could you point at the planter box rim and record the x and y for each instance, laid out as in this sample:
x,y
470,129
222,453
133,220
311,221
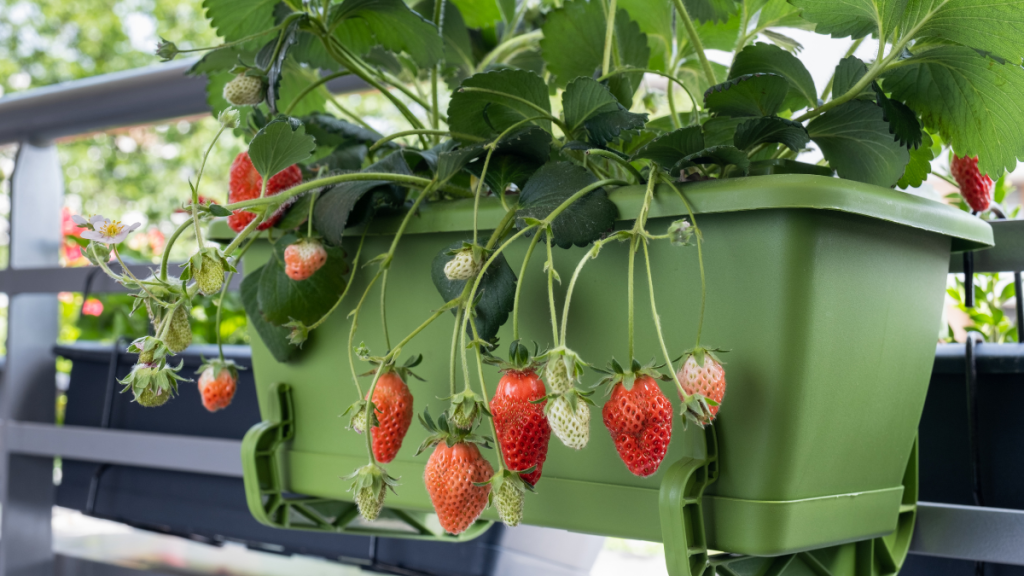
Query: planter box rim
x,y
778,191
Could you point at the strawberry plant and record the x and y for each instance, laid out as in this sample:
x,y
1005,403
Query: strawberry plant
x,y
545,117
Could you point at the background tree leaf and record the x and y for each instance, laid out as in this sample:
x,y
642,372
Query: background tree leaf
x,y
584,221
588,105
573,43
749,95
496,292
489,103
762,57
277,146
347,205
282,299
275,338
972,101
393,25
855,139
771,129
672,147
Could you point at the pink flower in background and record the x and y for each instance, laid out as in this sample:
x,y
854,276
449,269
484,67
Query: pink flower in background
x,y
70,228
156,239
92,307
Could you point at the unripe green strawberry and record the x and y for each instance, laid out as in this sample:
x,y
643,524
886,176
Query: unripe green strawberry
x,y
211,276
244,91
145,357
370,501
572,426
509,502
359,422
151,398
179,333
461,266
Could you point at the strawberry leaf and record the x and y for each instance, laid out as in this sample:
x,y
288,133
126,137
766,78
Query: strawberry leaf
x,y
584,221
388,23
672,147
237,19
771,129
278,145
275,338
487,104
768,58
849,71
747,95
592,112
854,138
347,204
496,293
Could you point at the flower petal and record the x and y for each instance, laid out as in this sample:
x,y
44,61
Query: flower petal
x,y
97,218
79,219
93,235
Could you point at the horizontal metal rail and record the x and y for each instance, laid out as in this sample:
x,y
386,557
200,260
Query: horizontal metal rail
x,y
993,535
87,278
141,96
128,448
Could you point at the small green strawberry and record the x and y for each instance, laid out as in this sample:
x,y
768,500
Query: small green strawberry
x,y
462,266
179,333
244,91
369,484
507,489
210,278
151,398
152,384
466,406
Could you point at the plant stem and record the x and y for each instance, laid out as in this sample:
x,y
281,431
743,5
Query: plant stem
x,y
544,113
620,160
195,189
551,285
507,47
312,87
657,325
170,242
220,301
435,72
384,309
348,285
519,286
609,37
355,117
698,47
853,48
376,145
241,235
693,101
276,199
629,293
455,346
591,255
483,397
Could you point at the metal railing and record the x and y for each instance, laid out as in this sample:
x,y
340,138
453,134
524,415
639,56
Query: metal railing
x,y
28,437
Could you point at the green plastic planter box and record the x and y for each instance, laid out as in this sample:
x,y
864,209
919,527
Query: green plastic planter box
x,y
828,294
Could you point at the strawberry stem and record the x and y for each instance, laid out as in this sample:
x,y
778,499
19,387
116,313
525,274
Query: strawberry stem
x,y
195,188
700,259
629,291
455,344
384,309
551,286
519,286
348,284
483,396
220,301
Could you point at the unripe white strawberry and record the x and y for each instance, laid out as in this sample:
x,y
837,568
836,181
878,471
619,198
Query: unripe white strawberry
x,y
571,426
461,266
556,375
370,500
244,91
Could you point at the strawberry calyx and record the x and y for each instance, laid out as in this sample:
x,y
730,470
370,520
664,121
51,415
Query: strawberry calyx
x,y
441,430
369,485
151,350
562,370
519,358
153,383
466,406
219,365
615,374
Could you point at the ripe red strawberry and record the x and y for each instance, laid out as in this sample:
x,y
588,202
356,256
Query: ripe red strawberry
x,y
304,258
245,183
523,430
394,412
702,374
217,388
975,187
451,477
640,422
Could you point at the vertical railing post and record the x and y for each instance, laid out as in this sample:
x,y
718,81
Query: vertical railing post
x,y
28,389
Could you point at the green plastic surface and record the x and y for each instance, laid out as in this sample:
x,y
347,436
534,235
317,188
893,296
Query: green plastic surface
x,y
828,293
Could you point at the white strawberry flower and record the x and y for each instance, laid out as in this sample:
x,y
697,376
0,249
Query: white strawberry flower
x,y
107,231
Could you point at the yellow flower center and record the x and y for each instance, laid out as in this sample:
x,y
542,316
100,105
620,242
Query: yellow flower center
x,y
111,229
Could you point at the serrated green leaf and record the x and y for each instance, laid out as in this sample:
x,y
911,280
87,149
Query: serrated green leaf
x,y
496,292
393,25
771,129
479,13
348,204
331,131
489,103
721,130
781,14
855,140
237,19
672,147
848,72
856,18
515,159
972,101
691,74
219,60
278,146
902,120
710,10
275,338
787,43
920,165
748,95
459,62
584,221
664,123
282,299
573,43
762,57
993,26
655,20
787,166
589,106
719,155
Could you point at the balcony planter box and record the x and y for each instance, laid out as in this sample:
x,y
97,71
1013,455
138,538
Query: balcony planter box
x,y
828,292
213,509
